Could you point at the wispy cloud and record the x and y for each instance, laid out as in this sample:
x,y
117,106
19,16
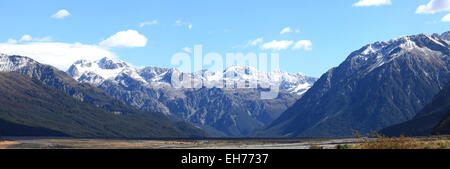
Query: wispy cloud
x,y
255,42
127,39
363,3
286,30
148,23
434,6
277,45
187,49
11,41
27,38
61,14
446,18
303,44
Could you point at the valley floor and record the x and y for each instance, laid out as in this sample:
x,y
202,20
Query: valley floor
x,y
373,143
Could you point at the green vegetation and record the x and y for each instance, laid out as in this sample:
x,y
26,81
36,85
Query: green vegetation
x,y
345,146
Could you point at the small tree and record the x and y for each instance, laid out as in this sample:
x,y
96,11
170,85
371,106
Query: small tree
x,y
355,133
340,146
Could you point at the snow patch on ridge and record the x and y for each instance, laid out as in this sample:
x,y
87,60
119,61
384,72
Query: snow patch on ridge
x,y
97,72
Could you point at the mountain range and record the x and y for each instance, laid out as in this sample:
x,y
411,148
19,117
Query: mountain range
x,y
398,86
381,84
38,99
223,112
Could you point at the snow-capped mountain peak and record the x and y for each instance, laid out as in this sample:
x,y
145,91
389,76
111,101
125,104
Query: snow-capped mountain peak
x,y
445,36
108,63
12,62
377,54
97,72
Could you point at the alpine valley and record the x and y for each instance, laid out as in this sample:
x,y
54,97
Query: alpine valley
x,y
398,86
222,112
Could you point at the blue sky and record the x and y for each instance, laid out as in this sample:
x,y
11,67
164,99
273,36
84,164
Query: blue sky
x,y
152,31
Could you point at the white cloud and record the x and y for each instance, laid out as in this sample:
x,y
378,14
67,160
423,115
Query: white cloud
x,y
12,41
255,42
61,14
297,31
26,38
128,39
362,3
303,44
154,22
277,45
60,55
434,6
187,49
190,26
446,18
286,30
44,39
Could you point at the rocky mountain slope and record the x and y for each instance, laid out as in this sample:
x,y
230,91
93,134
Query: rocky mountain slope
x,y
427,119
36,102
443,127
379,85
221,111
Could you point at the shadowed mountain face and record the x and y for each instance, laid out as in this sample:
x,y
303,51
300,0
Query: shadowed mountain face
x,y
220,111
51,99
444,125
427,119
8,128
379,85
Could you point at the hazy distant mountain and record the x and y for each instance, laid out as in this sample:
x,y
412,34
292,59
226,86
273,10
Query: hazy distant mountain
x,y
220,111
428,118
46,98
381,84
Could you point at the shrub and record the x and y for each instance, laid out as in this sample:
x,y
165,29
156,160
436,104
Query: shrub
x,y
402,142
345,146
315,146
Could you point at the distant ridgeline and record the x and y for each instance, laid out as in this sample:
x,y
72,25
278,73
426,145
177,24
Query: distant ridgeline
x,y
379,85
402,83
39,100
229,112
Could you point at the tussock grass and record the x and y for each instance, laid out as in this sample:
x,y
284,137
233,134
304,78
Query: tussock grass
x,y
315,146
403,143
5,144
377,141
